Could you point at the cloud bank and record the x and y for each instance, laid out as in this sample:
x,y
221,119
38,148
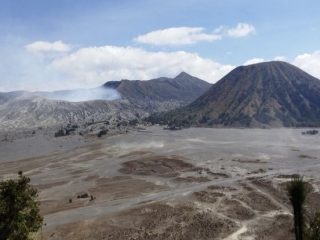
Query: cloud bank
x,y
177,36
280,58
48,47
81,95
190,35
253,61
309,62
55,65
96,65
241,30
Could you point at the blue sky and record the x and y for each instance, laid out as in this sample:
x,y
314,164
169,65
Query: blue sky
x,y
290,29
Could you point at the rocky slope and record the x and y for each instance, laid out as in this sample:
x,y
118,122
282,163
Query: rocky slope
x,y
134,99
270,94
26,112
180,90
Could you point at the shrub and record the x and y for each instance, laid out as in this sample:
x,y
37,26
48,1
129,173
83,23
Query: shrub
x,y
102,133
59,133
313,229
297,192
19,209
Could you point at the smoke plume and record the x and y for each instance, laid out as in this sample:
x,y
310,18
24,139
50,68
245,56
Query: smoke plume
x,y
81,95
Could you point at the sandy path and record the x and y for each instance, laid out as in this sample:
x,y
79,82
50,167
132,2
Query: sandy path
x,y
236,235
270,197
88,212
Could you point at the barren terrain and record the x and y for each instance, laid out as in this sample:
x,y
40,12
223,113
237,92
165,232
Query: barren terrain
x,y
196,183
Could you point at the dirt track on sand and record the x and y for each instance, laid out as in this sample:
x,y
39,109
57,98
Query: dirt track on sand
x,y
173,185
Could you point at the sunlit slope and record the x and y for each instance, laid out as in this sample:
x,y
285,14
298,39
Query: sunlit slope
x,y
124,100
270,94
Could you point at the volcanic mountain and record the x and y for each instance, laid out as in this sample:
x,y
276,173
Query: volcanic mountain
x,y
269,94
184,88
116,99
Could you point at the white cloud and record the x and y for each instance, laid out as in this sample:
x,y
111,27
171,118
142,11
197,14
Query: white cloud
x,y
177,36
253,61
189,35
241,30
309,62
280,58
92,66
47,47
95,65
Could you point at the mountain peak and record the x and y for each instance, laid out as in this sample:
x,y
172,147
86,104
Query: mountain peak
x,y
266,63
268,94
112,84
183,75
184,88
271,65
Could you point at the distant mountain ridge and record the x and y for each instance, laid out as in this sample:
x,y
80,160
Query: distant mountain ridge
x,y
269,94
184,88
23,109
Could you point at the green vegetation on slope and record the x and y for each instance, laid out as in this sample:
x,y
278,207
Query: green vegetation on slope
x,y
19,209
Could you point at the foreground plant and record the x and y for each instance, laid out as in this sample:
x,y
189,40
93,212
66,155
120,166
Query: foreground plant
x,y
297,192
313,230
19,209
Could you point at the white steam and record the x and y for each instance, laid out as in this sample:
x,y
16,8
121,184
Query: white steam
x,y
82,95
